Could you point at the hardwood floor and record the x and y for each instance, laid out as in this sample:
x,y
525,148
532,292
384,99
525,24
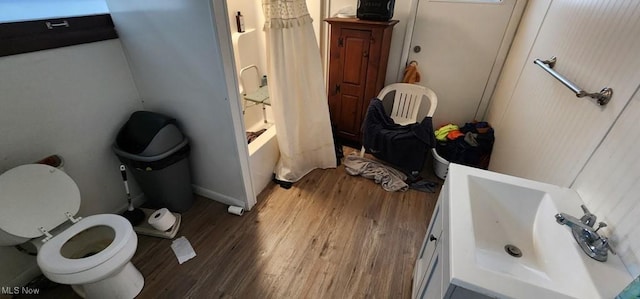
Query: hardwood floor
x,y
330,236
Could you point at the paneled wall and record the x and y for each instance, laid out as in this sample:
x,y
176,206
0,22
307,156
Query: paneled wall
x,y
545,133
518,56
610,184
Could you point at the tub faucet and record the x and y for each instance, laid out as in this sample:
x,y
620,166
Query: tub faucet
x,y
594,245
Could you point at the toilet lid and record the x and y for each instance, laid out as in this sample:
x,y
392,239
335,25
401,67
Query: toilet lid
x,y
33,196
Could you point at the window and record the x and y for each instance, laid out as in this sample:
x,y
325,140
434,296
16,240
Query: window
x,y
34,25
29,10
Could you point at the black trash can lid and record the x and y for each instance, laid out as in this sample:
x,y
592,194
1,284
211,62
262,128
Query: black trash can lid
x,y
139,130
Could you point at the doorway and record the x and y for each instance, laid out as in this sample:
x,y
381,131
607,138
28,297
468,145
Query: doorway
x,y
244,55
460,47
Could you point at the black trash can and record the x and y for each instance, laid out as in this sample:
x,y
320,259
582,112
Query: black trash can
x,y
157,154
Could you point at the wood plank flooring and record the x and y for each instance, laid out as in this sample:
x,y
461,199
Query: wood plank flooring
x,y
330,236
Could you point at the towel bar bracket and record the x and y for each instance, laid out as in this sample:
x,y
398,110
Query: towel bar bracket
x,y
603,97
551,62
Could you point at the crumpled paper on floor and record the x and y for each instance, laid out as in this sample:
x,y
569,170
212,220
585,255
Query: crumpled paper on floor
x,y
182,249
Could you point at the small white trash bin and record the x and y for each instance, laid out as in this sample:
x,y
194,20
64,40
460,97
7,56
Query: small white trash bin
x,y
440,165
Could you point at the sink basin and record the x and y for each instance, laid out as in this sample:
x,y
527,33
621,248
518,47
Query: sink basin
x,y
505,242
513,215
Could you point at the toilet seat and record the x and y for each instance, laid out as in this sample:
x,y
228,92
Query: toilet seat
x,y
34,198
51,260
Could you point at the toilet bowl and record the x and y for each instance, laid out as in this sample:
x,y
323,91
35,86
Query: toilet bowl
x,y
93,254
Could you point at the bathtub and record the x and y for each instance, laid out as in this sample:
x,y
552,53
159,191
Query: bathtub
x,y
263,151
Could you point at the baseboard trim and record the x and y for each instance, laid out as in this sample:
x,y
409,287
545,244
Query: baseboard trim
x,y
27,275
219,197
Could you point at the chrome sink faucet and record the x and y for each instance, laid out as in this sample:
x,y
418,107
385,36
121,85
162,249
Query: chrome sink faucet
x,y
594,245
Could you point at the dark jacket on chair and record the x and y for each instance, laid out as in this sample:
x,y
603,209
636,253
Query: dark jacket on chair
x,y
401,146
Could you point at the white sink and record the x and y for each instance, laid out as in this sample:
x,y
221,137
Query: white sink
x,y
489,211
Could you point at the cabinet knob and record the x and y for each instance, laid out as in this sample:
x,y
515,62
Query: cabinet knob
x,y
417,49
432,237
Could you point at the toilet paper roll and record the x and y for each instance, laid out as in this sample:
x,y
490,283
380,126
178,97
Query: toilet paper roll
x,y
236,210
162,219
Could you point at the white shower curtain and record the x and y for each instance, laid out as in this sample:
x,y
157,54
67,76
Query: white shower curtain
x,y
296,89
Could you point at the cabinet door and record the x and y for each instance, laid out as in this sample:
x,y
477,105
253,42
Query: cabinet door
x,y
431,287
348,80
427,252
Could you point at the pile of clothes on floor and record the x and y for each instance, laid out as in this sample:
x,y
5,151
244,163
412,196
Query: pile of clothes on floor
x,y
402,148
469,145
389,178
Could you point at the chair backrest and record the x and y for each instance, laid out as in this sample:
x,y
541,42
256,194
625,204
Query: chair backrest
x,y
249,83
407,100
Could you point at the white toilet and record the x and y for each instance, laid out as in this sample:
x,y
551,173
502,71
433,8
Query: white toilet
x,y
93,254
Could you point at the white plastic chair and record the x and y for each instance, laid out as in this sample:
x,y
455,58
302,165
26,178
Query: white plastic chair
x,y
248,84
406,103
253,91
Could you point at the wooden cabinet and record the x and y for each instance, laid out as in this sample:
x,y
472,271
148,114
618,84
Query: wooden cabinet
x,y
358,56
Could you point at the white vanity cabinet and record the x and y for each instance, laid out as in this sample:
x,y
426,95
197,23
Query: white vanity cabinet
x,y
431,275
427,272
480,216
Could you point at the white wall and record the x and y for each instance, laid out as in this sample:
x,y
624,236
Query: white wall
x,y
518,54
568,129
69,101
253,20
607,171
395,65
178,68
610,183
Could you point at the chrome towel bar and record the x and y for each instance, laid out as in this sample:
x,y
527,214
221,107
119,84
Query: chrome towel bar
x,y
602,97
